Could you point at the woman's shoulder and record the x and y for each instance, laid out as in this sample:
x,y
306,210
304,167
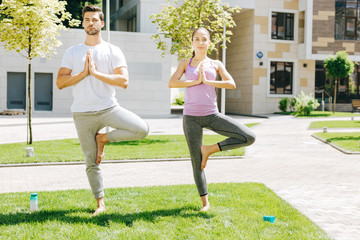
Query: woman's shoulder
x,y
184,63
216,63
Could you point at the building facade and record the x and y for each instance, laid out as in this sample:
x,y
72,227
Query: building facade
x,y
147,95
277,50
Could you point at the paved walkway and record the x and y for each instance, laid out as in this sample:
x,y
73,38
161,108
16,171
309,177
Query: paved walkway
x,y
315,178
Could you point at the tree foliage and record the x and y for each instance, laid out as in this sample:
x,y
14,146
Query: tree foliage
x,y
74,7
30,27
338,66
181,18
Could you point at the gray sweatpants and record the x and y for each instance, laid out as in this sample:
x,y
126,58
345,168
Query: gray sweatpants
x,y
127,125
239,136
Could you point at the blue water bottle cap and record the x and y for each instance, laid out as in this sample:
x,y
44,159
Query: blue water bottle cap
x,y
34,195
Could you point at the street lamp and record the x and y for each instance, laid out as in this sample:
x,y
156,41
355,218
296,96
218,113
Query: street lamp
x,y
222,108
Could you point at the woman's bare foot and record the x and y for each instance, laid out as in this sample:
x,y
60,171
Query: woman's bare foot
x,y
100,206
206,151
101,141
206,204
205,156
205,208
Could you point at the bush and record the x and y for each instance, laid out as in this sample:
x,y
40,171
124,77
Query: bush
x,y
305,104
292,104
179,100
283,104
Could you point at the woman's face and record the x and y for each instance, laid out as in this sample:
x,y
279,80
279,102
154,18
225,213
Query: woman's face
x,y
201,41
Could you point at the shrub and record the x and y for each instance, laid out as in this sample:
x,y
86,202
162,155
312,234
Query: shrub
x,y
283,104
179,100
292,104
305,104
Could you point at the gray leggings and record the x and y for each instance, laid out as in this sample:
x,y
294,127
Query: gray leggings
x,y
239,136
128,126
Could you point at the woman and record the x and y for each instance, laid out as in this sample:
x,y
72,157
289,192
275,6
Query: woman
x,y
200,109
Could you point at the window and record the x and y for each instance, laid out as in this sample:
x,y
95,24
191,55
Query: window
x,y
131,24
282,26
347,19
281,77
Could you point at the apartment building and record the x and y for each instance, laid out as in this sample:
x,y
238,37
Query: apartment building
x,y
278,50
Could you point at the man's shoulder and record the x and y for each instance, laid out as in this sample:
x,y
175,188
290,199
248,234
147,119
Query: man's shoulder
x,y
75,47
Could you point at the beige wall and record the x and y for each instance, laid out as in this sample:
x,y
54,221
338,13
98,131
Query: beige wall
x,y
252,34
239,60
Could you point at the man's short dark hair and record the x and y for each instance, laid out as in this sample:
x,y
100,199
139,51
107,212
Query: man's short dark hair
x,y
92,8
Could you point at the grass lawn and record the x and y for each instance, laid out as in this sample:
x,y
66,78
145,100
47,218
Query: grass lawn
x,y
335,124
68,150
167,212
347,141
324,114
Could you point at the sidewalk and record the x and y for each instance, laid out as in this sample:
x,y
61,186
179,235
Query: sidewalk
x,y
318,180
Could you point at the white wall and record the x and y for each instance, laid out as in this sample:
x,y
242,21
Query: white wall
x,y
147,95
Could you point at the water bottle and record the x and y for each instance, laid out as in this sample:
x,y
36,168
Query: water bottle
x,y
33,202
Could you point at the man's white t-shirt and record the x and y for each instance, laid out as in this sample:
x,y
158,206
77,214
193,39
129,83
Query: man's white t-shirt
x,y
91,94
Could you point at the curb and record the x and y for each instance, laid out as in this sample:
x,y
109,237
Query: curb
x,y
335,146
111,161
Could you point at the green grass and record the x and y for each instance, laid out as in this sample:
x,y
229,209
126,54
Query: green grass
x,y
68,150
324,114
335,124
169,212
347,141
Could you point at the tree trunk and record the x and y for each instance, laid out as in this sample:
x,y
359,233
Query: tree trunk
x,y
29,103
29,91
335,88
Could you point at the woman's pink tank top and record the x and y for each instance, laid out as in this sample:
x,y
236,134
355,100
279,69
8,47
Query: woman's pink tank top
x,y
200,100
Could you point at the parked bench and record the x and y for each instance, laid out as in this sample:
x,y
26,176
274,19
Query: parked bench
x,y
355,104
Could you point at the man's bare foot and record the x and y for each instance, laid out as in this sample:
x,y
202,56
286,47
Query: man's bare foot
x,y
100,206
205,156
99,210
101,141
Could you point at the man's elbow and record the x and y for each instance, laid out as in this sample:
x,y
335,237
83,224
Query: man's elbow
x,y
59,85
125,84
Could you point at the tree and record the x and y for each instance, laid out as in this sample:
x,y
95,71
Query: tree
x,y
338,66
30,28
180,19
74,7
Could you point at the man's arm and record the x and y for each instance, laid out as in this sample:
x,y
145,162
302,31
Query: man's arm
x,y
120,77
65,79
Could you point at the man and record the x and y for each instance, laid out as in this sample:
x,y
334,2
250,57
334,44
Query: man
x,y
93,68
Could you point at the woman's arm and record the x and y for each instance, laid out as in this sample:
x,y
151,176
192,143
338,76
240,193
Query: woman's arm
x,y
175,81
227,81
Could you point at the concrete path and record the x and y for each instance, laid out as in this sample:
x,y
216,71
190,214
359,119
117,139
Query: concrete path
x,y
315,178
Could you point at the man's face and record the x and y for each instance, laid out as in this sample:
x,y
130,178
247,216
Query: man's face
x,y
92,23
